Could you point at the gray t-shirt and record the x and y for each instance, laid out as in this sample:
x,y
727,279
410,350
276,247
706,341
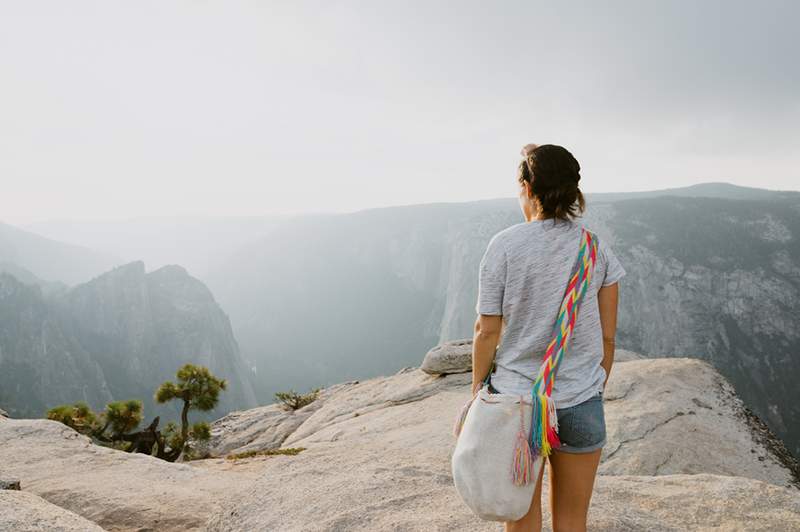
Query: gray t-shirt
x,y
523,276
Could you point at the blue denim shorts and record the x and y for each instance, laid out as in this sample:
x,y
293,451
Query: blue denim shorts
x,y
582,427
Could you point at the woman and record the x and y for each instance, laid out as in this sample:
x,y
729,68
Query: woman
x,y
523,276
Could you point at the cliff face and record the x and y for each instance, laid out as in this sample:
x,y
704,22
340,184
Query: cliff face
x,y
116,337
682,454
719,280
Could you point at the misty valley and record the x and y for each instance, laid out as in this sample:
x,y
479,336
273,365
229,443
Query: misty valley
x,y
297,303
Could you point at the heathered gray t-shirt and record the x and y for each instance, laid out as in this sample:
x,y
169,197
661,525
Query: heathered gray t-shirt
x,y
523,277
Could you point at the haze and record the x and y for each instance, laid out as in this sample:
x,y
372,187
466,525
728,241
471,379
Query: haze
x,y
114,110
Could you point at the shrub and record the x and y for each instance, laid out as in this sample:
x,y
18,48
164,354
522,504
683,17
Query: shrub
x,y
293,400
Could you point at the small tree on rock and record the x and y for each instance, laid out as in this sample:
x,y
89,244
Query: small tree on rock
x,y
293,400
199,389
78,416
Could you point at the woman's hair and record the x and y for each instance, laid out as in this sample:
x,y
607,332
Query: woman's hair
x,y
553,174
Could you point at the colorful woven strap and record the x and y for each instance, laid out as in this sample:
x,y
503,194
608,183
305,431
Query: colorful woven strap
x,y
544,425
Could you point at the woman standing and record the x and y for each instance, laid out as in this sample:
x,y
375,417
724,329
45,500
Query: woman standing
x,y
523,275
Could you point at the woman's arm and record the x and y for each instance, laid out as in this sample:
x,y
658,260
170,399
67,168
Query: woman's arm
x,y
488,330
607,299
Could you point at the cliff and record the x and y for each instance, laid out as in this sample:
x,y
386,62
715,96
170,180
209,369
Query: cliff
x,y
115,337
683,454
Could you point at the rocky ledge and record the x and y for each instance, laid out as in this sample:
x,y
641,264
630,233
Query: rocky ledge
x,y
682,453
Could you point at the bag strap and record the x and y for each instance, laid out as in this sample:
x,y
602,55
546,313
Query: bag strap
x,y
544,422
580,262
567,316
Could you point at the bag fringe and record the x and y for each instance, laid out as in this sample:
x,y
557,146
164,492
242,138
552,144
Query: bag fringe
x,y
523,459
544,426
462,417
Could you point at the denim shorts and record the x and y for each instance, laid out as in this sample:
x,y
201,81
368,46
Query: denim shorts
x,y
582,427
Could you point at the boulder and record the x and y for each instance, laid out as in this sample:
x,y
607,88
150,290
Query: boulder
x,y
456,357
115,489
25,512
449,357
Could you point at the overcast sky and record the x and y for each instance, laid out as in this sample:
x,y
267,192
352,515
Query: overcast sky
x,y
120,109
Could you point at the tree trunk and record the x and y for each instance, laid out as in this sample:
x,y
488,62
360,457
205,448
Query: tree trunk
x,y
185,421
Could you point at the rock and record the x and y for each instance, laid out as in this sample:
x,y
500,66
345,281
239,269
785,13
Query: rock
x,y
116,490
623,355
449,357
9,484
389,467
270,427
655,427
262,428
23,511
3,413
456,357
377,456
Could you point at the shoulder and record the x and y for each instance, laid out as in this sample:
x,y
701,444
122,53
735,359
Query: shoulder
x,y
506,235
602,246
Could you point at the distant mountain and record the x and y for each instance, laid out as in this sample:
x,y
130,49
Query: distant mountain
x,y
116,337
330,298
195,242
708,190
51,260
23,275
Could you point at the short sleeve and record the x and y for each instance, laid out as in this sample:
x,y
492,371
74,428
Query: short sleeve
x,y
614,270
492,279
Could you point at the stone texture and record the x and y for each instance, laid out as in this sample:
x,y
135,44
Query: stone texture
x,y
21,511
117,490
683,454
679,415
9,484
449,357
388,468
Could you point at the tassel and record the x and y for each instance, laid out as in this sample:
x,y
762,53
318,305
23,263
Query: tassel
x,y
523,461
535,437
545,448
462,417
553,427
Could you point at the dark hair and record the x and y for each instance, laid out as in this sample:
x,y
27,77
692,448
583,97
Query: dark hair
x,y
553,174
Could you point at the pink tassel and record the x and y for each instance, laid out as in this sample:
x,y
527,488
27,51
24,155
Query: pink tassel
x,y
523,458
523,461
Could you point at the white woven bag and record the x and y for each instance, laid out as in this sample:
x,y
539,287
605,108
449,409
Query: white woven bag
x,y
484,456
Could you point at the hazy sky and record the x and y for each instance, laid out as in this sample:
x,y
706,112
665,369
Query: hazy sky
x,y
119,109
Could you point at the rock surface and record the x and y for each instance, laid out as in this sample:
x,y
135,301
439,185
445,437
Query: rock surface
x,y
9,484
449,357
388,468
116,490
25,512
377,457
